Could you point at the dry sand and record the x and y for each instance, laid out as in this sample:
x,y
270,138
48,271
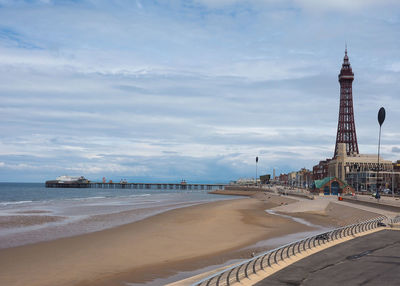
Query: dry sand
x,y
157,246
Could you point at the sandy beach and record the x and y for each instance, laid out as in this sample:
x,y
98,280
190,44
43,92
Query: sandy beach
x,y
159,246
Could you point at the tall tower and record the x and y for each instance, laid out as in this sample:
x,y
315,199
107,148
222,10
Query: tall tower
x,y
346,131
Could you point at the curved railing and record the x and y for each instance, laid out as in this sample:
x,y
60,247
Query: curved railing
x,y
396,219
262,261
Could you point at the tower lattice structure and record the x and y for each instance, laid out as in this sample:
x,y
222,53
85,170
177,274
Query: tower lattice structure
x,y
346,131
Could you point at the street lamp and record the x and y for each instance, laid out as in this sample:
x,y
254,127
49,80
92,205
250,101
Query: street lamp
x,y
256,169
381,119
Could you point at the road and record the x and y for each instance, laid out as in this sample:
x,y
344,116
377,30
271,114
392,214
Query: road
x,y
369,260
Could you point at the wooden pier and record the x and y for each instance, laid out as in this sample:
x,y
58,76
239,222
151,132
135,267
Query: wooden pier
x,y
139,186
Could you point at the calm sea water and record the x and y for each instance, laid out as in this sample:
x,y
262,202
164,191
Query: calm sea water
x,y
20,193
30,212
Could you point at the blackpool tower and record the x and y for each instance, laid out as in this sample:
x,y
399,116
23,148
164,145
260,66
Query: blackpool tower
x,y
346,131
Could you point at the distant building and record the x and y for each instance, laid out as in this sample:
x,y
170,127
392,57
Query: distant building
x,y
246,181
303,178
264,179
331,186
360,170
283,179
320,171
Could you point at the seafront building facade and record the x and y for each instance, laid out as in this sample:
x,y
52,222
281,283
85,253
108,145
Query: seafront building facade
x,y
320,171
302,178
360,171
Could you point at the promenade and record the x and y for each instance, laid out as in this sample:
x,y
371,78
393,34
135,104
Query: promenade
x,y
308,208
368,260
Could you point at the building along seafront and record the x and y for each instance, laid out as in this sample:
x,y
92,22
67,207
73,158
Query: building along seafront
x,y
360,170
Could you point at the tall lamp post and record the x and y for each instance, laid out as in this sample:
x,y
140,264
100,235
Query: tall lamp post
x,y
256,168
381,119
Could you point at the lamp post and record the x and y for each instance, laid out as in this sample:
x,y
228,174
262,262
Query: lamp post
x,y
393,183
381,119
256,169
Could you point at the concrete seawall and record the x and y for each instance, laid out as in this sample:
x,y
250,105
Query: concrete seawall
x,y
374,204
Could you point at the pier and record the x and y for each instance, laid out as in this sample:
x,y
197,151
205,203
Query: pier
x,y
139,186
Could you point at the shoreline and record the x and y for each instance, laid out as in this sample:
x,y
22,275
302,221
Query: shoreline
x,y
166,243
40,221
163,245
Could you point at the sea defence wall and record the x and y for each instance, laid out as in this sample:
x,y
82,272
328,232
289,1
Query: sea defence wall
x,y
244,188
299,194
374,204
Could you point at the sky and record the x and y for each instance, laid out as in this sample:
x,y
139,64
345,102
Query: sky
x,y
159,91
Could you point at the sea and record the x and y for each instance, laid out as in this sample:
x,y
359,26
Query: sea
x,y
30,212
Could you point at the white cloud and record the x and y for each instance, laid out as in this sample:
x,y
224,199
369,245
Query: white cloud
x,y
343,5
394,67
146,88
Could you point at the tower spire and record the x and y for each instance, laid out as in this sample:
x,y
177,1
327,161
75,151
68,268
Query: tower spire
x,y
346,132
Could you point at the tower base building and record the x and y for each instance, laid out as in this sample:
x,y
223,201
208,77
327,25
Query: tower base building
x,y
360,171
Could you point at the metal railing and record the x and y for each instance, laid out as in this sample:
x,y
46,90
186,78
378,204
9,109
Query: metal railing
x,y
272,257
395,220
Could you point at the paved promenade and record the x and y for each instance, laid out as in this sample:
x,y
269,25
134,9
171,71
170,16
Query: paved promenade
x,y
369,260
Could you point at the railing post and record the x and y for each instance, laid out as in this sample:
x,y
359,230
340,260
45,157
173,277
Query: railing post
x,y
269,256
209,281
262,261
294,249
219,278
237,273
245,269
227,277
304,244
254,265
276,252
287,252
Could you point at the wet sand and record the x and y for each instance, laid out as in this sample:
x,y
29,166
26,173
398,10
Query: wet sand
x,y
27,220
159,246
136,251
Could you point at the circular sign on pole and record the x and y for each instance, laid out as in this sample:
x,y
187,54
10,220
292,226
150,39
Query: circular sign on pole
x,y
381,115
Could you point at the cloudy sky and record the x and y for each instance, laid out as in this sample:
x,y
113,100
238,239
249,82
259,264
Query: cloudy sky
x,y
196,89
